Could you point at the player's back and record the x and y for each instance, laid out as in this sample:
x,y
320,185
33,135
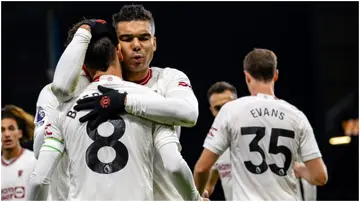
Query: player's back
x,y
114,161
265,136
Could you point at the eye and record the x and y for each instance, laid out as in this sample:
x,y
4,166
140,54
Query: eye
x,y
12,128
144,37
126,38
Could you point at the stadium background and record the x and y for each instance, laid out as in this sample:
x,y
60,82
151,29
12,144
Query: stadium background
x,y
316,45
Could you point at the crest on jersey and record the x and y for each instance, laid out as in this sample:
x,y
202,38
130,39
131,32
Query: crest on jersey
x,y
20,172
40,115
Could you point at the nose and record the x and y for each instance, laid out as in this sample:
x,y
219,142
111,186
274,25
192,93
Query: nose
x,y
6,133
136,46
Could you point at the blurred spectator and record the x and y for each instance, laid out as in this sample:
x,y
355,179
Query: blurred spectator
x,y
17,163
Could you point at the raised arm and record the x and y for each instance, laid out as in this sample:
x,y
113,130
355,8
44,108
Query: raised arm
x,y
70,64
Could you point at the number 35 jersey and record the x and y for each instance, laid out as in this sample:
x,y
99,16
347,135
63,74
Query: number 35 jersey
x,y
114,161
265,135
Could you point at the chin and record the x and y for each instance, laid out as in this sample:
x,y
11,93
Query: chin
x,y
8,147
138,68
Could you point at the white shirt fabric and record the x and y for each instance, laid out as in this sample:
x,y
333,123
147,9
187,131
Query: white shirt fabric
x,y
125,170
46,107
179,108
172,84
223,166
265,135
14,176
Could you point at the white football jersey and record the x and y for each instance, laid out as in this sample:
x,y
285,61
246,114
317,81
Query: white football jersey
x,y
223,166
265,135
165,81
15,175
114,161
46,107
306,191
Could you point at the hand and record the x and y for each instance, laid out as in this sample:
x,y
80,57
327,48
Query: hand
x,y
299,169
103,107
100,28
205,194
205,199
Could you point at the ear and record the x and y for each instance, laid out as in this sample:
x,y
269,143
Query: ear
x,y
20,134
119,53
276,75
154,44
247,77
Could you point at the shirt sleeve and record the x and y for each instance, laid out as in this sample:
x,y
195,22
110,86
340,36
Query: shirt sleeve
x,y
39,181
308,146
167,144
45,107
164,134
53,139
178,107
69,66
218,137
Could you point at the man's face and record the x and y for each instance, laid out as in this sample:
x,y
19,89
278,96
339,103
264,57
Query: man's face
x,y
137,44
217,100
10,133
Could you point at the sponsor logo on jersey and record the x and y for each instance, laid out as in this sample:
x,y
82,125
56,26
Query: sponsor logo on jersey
x,y
40,115
224,170
183,83
13,193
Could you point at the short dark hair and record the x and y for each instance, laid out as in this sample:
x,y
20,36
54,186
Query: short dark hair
x,y
100,53
72,31
261,64
133,12
220,87
24,121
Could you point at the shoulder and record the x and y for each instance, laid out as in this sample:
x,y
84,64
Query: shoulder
x,y
241,102
294,110
167,71
46,96
29,155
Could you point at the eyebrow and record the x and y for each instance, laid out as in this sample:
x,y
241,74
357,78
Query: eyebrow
x,y
132,35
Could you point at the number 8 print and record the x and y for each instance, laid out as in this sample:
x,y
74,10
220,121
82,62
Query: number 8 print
x,y
121,152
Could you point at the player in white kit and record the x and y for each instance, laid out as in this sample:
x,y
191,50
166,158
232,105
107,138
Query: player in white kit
x,y
305,190
135,29
46,106
127,172
219,94
265,136
17,163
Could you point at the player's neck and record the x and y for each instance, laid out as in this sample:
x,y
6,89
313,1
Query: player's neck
x,y
8,154
112,70
263,88
136,76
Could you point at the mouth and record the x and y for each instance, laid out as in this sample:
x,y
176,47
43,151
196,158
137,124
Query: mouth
x,y
7,142
138,57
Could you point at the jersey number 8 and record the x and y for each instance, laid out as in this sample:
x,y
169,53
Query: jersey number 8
x,y
121,152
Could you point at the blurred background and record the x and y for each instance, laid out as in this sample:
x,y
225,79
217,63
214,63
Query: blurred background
x,y
316,45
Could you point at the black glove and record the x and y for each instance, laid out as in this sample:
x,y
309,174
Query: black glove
x,y
103,107
100,28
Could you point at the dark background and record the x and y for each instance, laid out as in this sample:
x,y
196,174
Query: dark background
x,y
316,45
